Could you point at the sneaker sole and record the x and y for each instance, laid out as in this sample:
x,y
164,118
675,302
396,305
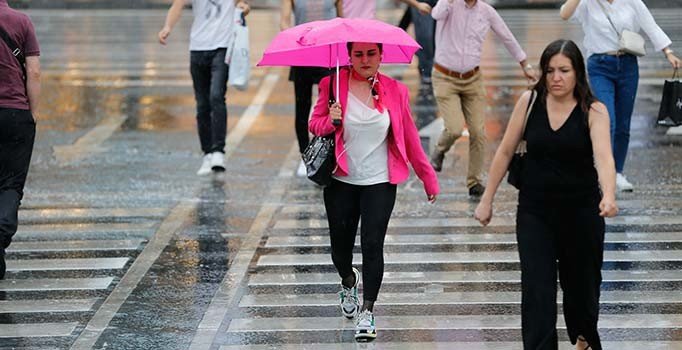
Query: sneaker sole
x,y
349,315
365,337
218,168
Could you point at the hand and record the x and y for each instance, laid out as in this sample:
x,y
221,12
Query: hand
x,y
674,61
431,198
163,34
335,111
530,74
483,213
608,207
244,6
423,8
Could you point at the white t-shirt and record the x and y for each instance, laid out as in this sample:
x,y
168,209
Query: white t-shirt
x,y
213,24
633,15
364,134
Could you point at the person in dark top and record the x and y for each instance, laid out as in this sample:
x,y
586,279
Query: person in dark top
x,y
19,95
567,189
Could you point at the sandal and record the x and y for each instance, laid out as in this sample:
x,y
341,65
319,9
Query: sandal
x,y
581,338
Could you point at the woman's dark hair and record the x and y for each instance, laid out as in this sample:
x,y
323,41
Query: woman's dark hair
x,y
349,47
582,92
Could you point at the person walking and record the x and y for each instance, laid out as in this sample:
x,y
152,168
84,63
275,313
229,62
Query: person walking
x,y
567,189
614,74
375,140
457,80
210,37
19,96
304,78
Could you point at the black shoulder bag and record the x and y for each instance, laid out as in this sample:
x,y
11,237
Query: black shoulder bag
x,y
16,51
516,164
319,156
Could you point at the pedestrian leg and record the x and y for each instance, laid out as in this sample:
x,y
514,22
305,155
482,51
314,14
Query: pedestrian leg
x,y
473,108
200,68
219,75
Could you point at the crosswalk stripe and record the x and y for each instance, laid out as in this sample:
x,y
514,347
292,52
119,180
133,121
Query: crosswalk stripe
x,y
471,222
56,305
451,298
47,284
31,330
461,257
391,277
48,229
52,246
66,264
438,322
432,239
89,213
621,345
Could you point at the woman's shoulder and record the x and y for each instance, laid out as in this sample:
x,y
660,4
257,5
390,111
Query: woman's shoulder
x,y
598,108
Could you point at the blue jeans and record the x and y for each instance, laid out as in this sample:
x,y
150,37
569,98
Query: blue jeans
x,y
424,31
614,82
209,77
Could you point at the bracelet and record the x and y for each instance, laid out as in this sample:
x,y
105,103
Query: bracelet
x,y
528,66
668,51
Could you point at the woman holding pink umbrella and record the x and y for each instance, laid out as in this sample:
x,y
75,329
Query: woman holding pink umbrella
x,y
376,138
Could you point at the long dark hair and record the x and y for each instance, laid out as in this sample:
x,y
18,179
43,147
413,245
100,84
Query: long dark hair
x,y
581,92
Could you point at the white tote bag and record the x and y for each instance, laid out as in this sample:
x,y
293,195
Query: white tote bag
x,y
238,55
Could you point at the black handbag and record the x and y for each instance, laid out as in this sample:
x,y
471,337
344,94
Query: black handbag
x,y
516,164
319,157
670,112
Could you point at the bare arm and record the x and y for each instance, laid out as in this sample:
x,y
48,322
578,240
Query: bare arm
x,y
285,14
568,8
33,83
172,18
503,155
339,8
422,7
603,158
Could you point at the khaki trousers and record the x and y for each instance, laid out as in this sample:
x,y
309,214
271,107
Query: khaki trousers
x,y
460,101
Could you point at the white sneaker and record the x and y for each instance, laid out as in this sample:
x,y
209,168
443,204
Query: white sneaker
x,y
205,168
218,161
622,183
301,171
365,327
349,301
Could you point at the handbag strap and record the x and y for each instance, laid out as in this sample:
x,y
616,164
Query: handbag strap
x,y
608,17
531,102
15,50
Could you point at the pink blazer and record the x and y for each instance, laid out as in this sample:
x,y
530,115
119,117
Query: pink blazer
x,y
403,139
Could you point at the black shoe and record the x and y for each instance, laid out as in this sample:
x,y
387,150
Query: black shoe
x,y
476,190
437,160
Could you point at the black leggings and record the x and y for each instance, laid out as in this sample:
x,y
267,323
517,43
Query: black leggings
x,y
570,238
303,89
346,204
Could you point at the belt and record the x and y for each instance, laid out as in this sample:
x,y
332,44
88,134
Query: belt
x,y
614,53
452,73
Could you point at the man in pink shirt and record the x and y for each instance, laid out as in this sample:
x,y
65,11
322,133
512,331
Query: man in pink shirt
x,y
19,94
461,28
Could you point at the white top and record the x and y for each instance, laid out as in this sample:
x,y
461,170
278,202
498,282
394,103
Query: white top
x,y
364,133
213,24
633,15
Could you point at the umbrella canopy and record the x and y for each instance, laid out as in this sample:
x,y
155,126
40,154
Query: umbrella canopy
x,y
323,43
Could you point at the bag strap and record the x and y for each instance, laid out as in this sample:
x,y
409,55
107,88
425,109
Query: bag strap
x,y
531,102
332,99
608,17
15,50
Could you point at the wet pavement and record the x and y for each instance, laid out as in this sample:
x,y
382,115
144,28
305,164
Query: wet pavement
x,y
122,246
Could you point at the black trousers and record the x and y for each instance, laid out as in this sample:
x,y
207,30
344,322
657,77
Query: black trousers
x,y
209,78
17,134
346,204
568,236
304,79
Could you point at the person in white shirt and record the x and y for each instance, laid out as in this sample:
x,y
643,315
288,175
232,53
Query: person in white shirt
x,y
211,35
614,74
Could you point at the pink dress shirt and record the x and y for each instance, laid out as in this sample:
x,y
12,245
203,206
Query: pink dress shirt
x,y
460,32
359,8
404,145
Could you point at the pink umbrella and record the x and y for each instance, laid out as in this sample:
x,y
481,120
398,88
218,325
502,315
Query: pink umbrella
x,y
323,43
